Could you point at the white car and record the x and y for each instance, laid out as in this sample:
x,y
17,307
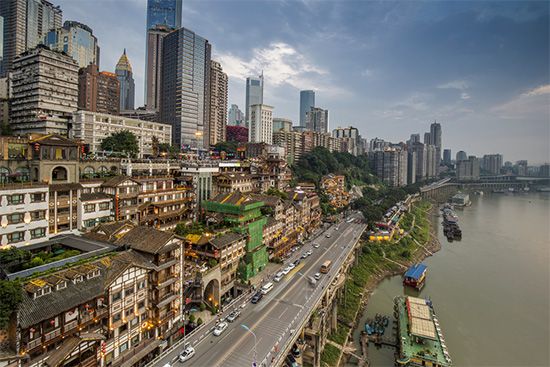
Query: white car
x,y
220,328
278,276
317,276
328,235
291,266
187,354
285,270
309,252
315,245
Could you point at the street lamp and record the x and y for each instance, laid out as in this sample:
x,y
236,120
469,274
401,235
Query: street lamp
x,y
251,332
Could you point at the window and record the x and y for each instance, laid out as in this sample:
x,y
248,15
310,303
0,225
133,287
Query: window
x,y
38,215
93,274
129,312
15,199
141,304
104,206
47,290
88,223
117,317
141,284
123,329
38,293
129,291
38,233
15,237
123,347
135,340
89,208
78,279
116,296
61,286
134,321
38,197
15,218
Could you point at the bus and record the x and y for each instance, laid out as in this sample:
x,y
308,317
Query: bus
x,y
267,288
326,266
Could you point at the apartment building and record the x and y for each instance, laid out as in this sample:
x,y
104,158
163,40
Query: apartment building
x,y
23,214
93,127
230,182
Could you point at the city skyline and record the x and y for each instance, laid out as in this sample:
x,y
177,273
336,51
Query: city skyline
x,y
491,73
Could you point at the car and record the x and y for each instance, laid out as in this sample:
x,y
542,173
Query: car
x,y
187,354
278,276
220,328
296,351
304,255
257,297
312,280
296,262
291,266
309,252
167,365
233,315
315,245
317,276
327,235
337,228
286,270
291,361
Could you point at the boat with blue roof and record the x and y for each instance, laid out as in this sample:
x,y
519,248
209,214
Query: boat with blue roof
x,y
415,276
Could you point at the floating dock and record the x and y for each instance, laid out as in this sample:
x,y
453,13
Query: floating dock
x,y
416,276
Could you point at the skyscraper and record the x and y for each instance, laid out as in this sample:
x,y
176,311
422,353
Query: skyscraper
x,y
447,156
26,22
317,120
307,100
45,91
427,138
261,124
461,156
435,139
98,91
254,95
390,165
76,40
236,116
123,72
1,42
415,138
186,87
164,12
218,103
153,65
281,123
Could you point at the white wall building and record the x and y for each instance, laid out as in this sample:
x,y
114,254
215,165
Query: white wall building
x,y
23,214
93,127
261,124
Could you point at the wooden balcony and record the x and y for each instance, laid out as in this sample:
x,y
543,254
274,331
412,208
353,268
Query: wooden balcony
x,y
52,335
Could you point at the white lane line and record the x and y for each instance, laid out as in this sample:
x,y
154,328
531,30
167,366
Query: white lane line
x,y
282,313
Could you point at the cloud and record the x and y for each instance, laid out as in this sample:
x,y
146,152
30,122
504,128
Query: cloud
x,y
367,73
543,89
531,104
455,84
464,96
282,65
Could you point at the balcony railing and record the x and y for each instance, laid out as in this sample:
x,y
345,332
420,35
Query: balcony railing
x,y
52,334
70,325
34,343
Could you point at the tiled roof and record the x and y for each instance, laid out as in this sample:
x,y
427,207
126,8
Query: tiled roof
x,y
116,180
145,239
94,196
225,240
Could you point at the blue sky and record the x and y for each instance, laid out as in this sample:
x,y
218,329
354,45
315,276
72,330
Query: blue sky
x,y
481,69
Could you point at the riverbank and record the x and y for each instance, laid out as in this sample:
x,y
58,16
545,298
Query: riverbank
x,y
376,263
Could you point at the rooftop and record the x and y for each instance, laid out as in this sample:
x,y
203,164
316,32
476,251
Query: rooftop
x,y
416,271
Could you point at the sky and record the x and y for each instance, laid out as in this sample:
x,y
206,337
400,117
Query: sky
x,y
481,69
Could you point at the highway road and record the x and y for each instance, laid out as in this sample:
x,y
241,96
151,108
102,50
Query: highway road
x,y
273,320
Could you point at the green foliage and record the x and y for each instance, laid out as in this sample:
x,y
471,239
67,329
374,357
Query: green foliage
x,y
202,307
275,192
330,355
212,263
339,336
5,130
13,260
123,142
227,146
11,296
200,321
196,228
192,318
320,161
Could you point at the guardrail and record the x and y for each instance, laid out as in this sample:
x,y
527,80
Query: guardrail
x,y
282,351
195,331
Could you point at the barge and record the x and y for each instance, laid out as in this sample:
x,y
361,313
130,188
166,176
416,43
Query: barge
x,y
419,338
416,276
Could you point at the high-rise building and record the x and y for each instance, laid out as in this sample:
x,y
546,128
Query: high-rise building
x,y
280,123
521,168
390,165
467,169
153,65
186,87
45,92
218,103
411,167
461,156
307,100
125,77
419,150
492,163
427,138
164,12
432,163
236,116
261,124
76,40
254,95
447,156
26,22
415,138
317,120
435,139
377,144
98,91
1,42
353,140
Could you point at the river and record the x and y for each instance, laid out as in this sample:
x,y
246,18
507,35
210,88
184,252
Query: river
x,y
490,290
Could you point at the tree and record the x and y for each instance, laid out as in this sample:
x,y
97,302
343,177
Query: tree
x,y
11,296
121,142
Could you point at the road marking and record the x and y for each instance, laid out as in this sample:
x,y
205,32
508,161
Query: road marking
x,y
282,313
